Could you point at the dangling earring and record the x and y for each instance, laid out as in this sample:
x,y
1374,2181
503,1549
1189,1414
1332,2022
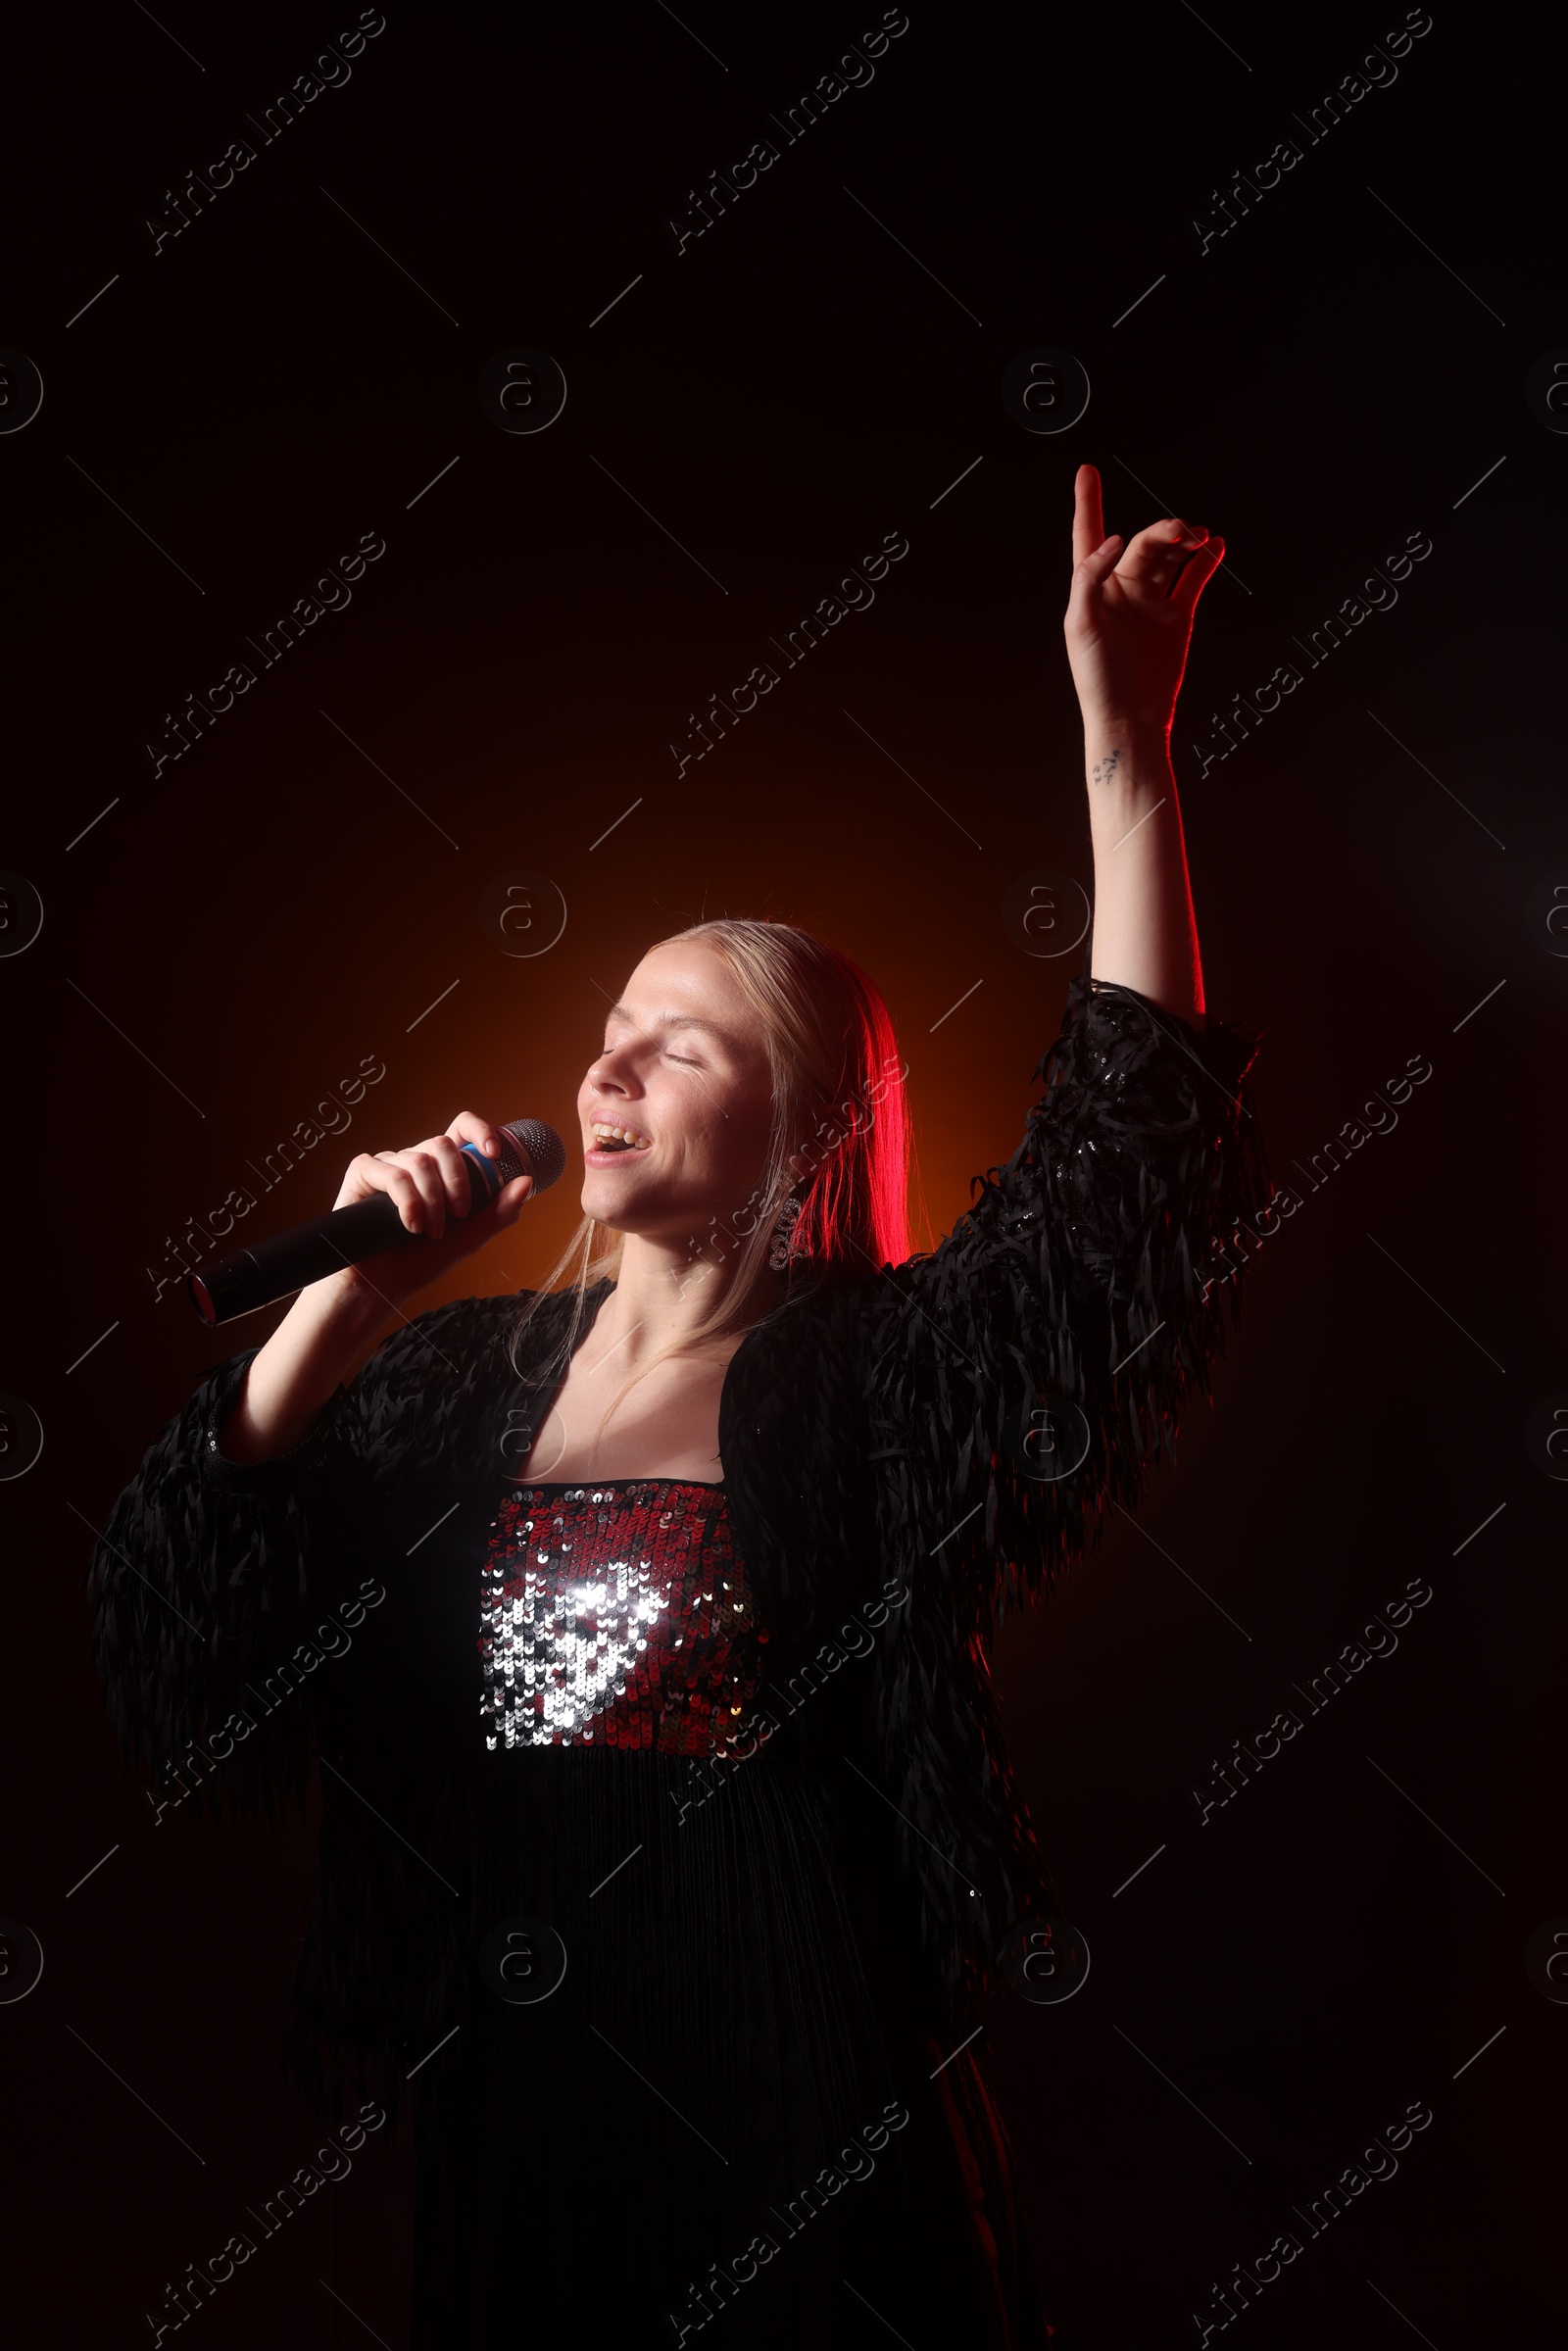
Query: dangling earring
x,y
785,1249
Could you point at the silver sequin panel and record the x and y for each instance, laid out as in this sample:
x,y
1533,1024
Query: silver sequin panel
x,y
615,1616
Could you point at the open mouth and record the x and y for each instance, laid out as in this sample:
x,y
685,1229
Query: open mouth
x,y
613,1141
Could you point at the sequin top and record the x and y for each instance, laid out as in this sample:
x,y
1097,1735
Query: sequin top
x,y
616,1614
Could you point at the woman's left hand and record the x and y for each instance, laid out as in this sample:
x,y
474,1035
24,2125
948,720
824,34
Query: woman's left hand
x,y
1130,615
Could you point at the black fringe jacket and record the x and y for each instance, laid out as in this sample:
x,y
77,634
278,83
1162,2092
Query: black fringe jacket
x,y
881,1434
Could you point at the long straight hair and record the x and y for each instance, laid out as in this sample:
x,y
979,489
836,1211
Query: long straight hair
x,y
839,1105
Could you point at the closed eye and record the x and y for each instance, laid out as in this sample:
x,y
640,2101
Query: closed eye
x,y
685,1062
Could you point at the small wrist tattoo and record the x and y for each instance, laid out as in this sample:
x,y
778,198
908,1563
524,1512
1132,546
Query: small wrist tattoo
x,y
1105,769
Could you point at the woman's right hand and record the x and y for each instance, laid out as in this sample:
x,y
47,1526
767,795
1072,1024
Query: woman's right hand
x,y
428,1185
292,1376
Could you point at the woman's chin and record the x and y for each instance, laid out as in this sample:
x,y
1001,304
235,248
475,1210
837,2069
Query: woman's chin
x,y
610,1198
622,1207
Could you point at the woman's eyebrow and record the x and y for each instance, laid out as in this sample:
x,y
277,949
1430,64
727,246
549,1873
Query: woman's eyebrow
x,y
672,1019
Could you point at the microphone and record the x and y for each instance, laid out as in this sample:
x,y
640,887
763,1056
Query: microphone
x,y
254,1277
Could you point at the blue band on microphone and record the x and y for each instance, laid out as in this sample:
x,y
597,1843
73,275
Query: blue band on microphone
x,y
491,1173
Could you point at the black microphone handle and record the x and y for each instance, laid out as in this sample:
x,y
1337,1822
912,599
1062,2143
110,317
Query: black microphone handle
x,y
308,1252
254,1277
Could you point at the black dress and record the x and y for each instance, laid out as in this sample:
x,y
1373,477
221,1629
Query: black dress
x,y
680,1965
751,2101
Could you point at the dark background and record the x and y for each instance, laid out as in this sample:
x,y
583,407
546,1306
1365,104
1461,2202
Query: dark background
x,y
225,943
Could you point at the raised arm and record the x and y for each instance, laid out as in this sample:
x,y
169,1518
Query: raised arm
x,y
1129,621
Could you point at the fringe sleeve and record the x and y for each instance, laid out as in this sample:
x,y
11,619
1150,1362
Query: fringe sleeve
x,y
211,1578
1025,1376
202,1584
1041,1355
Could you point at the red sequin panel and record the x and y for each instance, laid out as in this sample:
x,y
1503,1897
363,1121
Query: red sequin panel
x,y
616,1614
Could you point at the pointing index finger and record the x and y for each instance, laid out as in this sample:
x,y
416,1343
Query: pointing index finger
x,y
1088,520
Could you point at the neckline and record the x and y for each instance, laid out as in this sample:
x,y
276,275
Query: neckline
x,y
587,1485
596,1293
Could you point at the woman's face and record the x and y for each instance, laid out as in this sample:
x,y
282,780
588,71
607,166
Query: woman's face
x,y
685,1073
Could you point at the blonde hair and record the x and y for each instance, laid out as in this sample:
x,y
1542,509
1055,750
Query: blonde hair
x,y
839,1104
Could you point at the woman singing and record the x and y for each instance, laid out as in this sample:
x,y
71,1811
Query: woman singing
x,y
641,1624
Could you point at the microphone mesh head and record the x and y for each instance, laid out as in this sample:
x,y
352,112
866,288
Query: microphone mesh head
x,y
539,1152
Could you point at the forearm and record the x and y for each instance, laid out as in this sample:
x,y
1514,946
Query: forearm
x,y
1145,933
328,1327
